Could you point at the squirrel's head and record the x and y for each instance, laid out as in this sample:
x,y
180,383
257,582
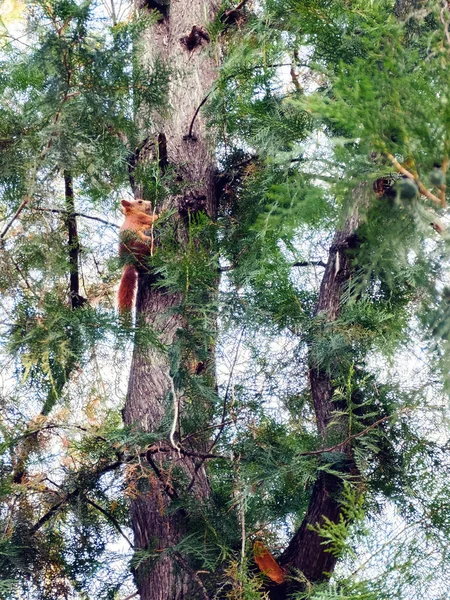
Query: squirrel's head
x,y
129,206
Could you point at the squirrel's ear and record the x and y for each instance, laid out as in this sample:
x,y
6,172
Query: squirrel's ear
x,y
125,203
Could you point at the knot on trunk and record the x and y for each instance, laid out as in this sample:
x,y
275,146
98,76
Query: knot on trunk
x,y
198,37
192,201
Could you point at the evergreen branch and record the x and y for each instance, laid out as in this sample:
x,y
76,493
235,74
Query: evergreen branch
x,y
422,189
53,510
42,155
110,518
76,492
76,214
350,437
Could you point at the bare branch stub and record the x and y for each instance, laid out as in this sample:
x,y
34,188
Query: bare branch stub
x,y
190,135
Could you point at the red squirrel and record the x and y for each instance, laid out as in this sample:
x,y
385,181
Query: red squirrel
x,y
135,244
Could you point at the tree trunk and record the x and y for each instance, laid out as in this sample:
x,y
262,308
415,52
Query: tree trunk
x,y
306,551
180,41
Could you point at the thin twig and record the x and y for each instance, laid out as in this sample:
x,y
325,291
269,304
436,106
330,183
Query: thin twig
x,y
350,437
131,596
205,456
170,491
443,186
76,214
200,431
152,236
14,217
224,412
243,534
19,270
110,518
225,398
189,135
240,5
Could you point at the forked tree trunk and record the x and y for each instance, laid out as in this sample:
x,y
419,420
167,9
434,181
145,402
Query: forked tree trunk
x,y
179,39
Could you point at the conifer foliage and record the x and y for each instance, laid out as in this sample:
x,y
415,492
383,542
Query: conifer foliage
x,y
285,429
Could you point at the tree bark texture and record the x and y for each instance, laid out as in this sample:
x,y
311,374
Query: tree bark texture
x,y
305,551
181,42
74,249
157,525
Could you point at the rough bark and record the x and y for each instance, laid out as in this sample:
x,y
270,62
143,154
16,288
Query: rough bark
x,y
156,524
305,551
404,8
194,70
74,249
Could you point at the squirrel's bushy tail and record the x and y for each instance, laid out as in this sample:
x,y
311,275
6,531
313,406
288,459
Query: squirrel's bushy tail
x,y
127,287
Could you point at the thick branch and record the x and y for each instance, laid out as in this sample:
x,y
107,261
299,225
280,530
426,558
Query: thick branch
x,y
309,263
73,243
53,511
422,189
